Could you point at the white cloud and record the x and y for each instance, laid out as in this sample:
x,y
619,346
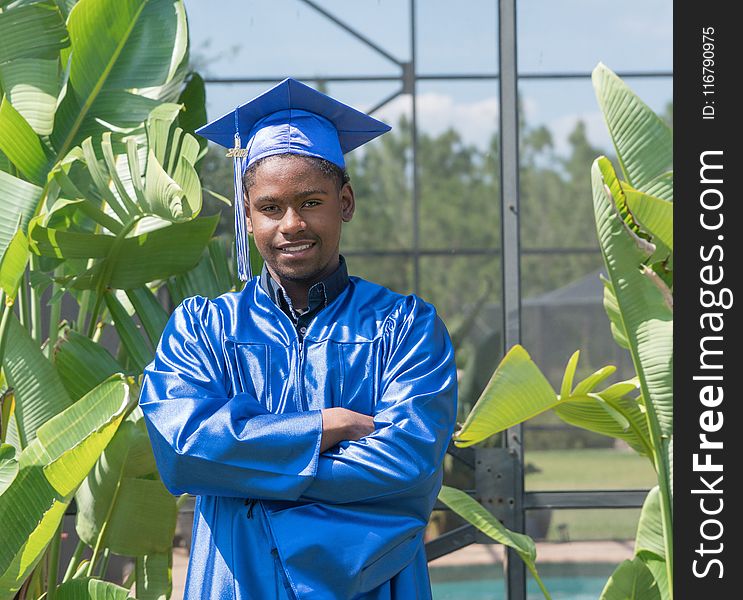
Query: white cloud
x,y
475,121
596,131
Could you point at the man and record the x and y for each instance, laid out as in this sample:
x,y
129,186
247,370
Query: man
x,y
310,412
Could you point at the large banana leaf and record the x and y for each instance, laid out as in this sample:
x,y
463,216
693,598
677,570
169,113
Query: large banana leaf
x,y
632,580
518,391
81,363
19,142
644,302
476,514
121,498
39,393
115,46
50,470
8,466
32,86
211,277
128,262
19,200
643,141
139,352
13,265
31,30
655,215
649,540
644,305
151,314
153,576
89,588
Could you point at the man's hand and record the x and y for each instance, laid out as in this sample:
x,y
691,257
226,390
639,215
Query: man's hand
x,y
339,424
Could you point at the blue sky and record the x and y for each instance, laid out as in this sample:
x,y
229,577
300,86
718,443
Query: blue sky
x,y
277,38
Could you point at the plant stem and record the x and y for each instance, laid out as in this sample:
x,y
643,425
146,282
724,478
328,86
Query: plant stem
x,y
7,309
34,302
22,299
104,563
94,315
54,314
84,303
54,563
539,582
74,561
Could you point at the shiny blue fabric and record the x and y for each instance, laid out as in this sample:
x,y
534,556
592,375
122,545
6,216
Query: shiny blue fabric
x,y
232,403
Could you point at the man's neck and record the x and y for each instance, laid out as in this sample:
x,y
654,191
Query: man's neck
x,y
298,291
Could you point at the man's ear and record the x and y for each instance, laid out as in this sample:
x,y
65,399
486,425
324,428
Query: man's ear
x,y
348,202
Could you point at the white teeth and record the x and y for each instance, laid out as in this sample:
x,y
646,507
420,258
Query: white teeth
x,y
297,248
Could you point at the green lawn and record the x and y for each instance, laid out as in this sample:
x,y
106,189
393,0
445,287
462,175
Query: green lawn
x,y
606,469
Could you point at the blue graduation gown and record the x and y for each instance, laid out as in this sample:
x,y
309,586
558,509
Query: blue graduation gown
x,y
233,403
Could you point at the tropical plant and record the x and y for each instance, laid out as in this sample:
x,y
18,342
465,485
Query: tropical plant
x,y
634,226
99,199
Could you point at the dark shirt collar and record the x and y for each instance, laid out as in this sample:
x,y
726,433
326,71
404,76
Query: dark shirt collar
x,y
319,295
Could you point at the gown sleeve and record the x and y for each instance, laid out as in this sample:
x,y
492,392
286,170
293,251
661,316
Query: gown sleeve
x,y
414,418
208,443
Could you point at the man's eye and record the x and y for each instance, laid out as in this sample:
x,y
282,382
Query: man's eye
x,y
268,209
312,203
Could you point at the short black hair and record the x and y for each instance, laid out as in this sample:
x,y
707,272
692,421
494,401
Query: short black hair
x,y
326,167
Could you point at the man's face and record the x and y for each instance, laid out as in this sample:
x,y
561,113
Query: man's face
x,y
295,213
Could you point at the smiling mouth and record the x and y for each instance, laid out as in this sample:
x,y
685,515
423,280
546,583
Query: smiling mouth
x,y
296,249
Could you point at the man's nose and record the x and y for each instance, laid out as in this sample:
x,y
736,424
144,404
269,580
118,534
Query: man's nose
x,y
292,222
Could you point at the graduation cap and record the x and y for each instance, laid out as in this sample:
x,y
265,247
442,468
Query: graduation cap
x,y
290,118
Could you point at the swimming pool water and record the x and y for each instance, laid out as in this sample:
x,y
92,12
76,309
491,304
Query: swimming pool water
x,y
560,588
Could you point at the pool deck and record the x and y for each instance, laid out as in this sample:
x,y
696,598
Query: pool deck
x,y
479,554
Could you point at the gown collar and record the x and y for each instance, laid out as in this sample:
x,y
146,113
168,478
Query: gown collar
x,y
319,296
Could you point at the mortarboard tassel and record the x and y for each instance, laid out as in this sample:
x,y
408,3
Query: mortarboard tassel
x,y
241,235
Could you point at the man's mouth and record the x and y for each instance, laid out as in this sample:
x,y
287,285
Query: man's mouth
x,y
296,248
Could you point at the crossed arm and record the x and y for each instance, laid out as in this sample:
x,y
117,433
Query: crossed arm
x,y
207,443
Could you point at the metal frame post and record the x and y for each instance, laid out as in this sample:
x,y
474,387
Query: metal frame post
x,y
509,176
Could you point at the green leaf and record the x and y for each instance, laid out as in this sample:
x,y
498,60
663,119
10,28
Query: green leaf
x,y
516,392
631,581
655,215
470,510
67,244
151,314
645,307
589,384
135,345
210,277
81,363
619,418
153,572
122,109
150,256
115,46
643,301
120,498
91,589
19,142
19,201
31,30
32,86
13,264
50,470
649,540
567,378
612,311
8,466
39,393
643,141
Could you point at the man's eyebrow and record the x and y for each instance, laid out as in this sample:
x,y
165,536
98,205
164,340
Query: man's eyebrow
x,y
302,194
